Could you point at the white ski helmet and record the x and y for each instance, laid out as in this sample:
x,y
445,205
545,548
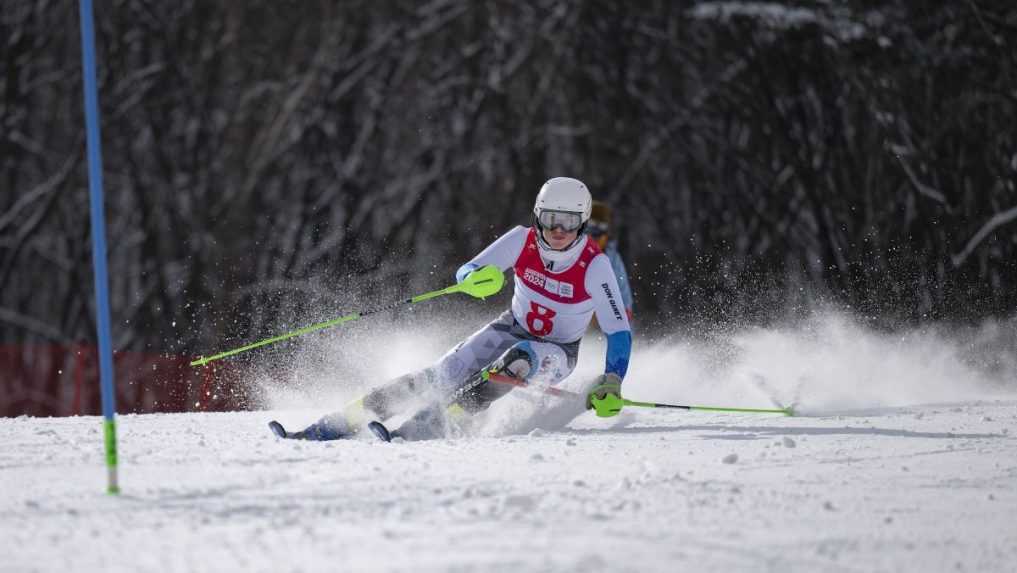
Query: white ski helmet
x,y
566,203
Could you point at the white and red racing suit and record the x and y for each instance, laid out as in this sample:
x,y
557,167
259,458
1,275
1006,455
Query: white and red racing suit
x,y
552,306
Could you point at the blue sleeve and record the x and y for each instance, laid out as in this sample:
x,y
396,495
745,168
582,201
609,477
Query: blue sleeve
x,y
619,348
465,270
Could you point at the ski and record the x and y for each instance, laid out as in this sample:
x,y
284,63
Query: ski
x,y
314,433
380,431
278,429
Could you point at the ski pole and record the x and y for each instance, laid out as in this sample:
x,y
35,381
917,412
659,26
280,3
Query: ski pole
x,y
502,379
784,411
481,283
612,404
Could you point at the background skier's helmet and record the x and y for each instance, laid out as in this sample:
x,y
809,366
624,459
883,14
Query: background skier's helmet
x,y
599,228
562,202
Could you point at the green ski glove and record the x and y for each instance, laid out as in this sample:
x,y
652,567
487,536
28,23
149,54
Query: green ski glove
x,y
605,398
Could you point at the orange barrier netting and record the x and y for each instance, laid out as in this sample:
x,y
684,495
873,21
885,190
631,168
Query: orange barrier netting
x,y
63,380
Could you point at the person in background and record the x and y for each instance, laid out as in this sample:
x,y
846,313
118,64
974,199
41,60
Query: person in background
x,y
600,229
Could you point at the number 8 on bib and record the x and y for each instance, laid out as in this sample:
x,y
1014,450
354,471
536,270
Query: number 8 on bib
x,y
538,320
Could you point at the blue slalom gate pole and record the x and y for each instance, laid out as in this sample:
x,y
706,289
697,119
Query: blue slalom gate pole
x,y
98,215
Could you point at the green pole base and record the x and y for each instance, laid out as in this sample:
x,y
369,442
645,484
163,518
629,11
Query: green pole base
x,y
109,430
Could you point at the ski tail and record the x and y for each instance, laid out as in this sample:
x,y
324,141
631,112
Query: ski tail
x,y
380,431
278,429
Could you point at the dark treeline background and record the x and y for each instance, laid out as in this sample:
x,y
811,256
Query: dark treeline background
x,y
264,157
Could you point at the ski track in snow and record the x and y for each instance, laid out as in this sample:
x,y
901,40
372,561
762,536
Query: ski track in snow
x,y
904,459
920,488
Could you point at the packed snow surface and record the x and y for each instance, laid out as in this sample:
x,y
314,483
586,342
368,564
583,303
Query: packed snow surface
x,y
904,459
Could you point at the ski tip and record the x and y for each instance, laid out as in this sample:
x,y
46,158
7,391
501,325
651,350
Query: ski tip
x,y
380,431
277,429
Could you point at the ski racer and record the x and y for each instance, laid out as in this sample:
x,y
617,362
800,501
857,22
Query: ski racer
x,y
562,279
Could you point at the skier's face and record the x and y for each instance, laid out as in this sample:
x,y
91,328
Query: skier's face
x,y
559,238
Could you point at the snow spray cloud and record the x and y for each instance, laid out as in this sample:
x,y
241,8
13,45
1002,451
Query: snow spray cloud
x,y
339,365
827,363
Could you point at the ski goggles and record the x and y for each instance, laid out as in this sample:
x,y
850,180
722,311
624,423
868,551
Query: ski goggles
x,y
567,221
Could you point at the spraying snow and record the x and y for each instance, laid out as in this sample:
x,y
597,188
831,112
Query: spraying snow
x,y
902,485
827,364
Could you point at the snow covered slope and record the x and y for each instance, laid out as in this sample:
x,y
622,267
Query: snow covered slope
x,y
905,460
918,488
